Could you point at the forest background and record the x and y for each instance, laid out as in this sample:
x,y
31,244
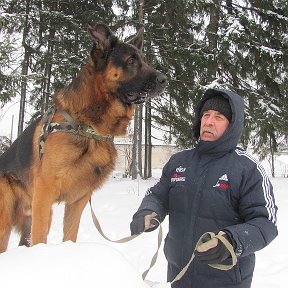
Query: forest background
x,y
239,45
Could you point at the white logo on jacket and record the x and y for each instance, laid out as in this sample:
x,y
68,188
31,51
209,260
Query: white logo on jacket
x,y
180,169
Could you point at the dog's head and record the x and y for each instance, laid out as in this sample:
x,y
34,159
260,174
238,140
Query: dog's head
x,y
123,66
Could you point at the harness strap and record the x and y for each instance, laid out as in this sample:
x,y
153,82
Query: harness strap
x,y
69,126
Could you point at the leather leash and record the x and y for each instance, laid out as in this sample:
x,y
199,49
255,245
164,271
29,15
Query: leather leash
x,y
220,237
129,238
223,267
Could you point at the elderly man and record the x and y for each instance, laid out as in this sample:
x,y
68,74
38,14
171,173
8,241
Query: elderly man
x,y
218,187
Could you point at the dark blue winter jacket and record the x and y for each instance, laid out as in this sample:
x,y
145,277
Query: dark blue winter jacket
x,y
214,186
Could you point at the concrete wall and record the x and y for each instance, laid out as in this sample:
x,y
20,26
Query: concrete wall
x,y
160,155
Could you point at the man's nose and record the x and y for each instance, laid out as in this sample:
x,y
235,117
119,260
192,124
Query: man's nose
x,y
209,120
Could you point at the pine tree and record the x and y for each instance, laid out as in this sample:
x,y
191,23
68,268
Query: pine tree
x,y
53,46
266,63
220,44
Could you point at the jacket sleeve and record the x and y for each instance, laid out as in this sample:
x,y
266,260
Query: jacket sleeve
x,y
157,197
257,210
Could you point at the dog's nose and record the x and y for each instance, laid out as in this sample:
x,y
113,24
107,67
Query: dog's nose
x,y
161,78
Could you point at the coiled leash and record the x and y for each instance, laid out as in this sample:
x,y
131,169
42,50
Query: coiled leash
x,y
223,267
220,237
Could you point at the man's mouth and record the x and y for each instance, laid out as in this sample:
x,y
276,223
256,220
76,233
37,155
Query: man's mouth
x,y
214,133
209,132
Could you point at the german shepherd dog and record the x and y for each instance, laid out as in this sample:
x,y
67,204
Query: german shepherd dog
x,y
68,167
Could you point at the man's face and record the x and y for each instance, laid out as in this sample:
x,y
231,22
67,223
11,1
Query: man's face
x,y
213,125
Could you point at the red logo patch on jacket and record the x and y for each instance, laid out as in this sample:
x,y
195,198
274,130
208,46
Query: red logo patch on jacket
x,y
223,182
178,175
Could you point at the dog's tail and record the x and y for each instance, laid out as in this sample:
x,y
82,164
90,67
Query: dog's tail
x,y
6,211
13,212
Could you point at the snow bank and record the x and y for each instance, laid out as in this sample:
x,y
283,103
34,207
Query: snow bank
x,y
68,265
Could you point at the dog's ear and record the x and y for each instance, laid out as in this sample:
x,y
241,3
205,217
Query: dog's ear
x,y
138,39
102,36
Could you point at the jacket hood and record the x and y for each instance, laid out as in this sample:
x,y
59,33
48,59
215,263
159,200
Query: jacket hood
x,y
228,141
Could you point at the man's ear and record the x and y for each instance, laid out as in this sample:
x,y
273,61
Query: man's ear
x,y
102,36
138,39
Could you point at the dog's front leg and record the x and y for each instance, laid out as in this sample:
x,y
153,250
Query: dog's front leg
x,y
72,218
43,198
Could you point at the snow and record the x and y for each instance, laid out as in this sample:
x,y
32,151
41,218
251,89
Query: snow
x,y
96,262
68,265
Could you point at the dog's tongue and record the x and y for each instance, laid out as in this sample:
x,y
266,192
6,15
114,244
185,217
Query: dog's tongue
x,y
132,97
139,101
135,98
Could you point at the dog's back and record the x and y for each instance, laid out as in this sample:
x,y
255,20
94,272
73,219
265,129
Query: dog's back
x,y
19,156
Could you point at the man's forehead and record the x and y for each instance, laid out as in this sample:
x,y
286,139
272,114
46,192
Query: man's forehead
x,y
212,111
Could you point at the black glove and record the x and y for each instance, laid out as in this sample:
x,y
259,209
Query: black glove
x,y
214,255
144,220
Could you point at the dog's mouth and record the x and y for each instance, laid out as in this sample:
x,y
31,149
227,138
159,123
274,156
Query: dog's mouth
x,y
136,98
141,91
143,96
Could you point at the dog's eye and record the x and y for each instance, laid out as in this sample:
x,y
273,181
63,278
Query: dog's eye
x,y
131,61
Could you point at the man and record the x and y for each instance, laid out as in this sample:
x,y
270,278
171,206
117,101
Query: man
x,y
215,187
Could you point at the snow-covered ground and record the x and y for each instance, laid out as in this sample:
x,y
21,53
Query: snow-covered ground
x,y
95,262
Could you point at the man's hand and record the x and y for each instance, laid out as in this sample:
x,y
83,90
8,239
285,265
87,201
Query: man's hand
x,y
212,251
144,221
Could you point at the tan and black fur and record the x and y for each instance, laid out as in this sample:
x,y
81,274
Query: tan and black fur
x,y
104,95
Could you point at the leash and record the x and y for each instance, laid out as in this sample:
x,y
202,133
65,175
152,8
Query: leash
x,y
222,267
220,237
129,238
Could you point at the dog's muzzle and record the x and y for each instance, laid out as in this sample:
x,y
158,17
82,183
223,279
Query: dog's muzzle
x,y
151,90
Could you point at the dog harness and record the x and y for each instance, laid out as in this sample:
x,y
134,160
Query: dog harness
x,y
69,125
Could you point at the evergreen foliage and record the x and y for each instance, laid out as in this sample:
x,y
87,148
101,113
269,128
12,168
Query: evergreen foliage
x,y
203,44
56,42
198,44
5,143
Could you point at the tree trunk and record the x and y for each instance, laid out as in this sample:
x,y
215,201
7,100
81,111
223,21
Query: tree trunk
x,y
137,137
212,30
24,72
148,120
272,151
148,143
229,6
47,73
137,144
